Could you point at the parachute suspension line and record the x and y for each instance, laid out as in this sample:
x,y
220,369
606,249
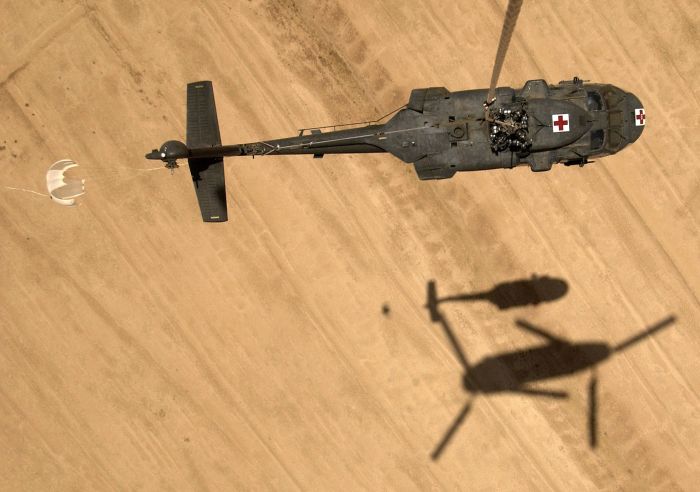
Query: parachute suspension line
x,y
113,172
157,168
112,179
506,34
124,167
26,190
101,171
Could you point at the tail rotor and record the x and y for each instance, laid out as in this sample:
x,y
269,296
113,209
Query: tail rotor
x,y
432,302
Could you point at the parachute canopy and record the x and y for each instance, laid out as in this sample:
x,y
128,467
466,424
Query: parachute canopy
x,y
63,190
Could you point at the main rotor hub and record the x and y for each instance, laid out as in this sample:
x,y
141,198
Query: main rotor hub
x,y
469,384
508,130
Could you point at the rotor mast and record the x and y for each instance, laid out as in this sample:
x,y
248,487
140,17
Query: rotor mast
x,y
506,33
507,127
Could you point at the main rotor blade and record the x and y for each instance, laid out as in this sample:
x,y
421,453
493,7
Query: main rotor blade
x,y
435,455
541,332
646,333
593,412
539,392
459,352
506,34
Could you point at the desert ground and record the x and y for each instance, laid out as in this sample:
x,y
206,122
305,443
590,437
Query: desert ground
x,y
290,347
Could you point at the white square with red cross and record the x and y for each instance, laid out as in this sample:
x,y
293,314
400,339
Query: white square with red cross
x,y
640,118
560,123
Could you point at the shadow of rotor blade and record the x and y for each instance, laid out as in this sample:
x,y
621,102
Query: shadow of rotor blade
x,y
593,412
539,392
459,352
541,332
435,455
646,333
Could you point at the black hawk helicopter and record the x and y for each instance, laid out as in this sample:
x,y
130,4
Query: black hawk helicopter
x,y
506,295
438,131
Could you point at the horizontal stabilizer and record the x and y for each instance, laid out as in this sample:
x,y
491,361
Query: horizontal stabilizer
x,y
210,186
203,131
202,123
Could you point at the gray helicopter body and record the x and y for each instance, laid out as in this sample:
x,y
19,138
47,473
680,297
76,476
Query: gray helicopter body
x,y
438,131
442,132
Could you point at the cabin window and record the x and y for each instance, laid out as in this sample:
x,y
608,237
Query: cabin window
x,y
594,101
597,138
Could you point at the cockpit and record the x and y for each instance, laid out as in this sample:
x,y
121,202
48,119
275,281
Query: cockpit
x,y
617,105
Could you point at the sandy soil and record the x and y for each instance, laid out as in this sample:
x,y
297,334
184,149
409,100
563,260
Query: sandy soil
x,y
144,349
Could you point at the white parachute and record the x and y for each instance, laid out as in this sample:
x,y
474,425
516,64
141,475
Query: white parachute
x,y
63,190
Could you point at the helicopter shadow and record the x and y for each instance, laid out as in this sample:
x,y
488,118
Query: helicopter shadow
x,y
505,295
517,371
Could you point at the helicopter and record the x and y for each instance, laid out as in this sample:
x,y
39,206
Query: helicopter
x,y
438,131
515,371
506,295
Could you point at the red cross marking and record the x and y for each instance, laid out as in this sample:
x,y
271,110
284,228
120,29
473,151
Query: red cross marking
x,y
561,122
641,117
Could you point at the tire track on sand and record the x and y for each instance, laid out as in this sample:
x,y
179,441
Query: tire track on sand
x,y
44,39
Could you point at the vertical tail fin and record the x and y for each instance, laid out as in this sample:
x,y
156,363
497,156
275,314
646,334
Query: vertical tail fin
x,y
203,131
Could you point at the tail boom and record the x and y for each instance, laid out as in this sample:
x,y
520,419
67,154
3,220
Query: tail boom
x,y
205,154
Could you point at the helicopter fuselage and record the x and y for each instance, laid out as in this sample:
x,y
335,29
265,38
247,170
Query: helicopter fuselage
x,y
442,132
511,371
438,131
